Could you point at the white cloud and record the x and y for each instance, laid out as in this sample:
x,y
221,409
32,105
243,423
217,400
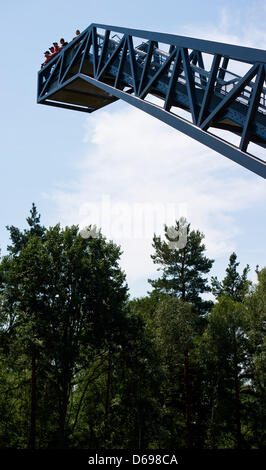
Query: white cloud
x,y
243,26
134,159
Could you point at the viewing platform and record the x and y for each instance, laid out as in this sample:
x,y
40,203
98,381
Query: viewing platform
x,y
194,85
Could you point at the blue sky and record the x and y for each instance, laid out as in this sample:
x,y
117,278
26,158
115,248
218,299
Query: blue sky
x,y
67,163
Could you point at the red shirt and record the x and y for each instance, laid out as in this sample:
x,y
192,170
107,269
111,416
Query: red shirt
x,y
46,61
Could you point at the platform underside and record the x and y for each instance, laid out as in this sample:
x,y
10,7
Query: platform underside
x,y
80,93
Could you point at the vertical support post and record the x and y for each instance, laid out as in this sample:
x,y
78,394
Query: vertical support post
x,y
95,50
104,50
222,73
253,106
172,82
209,89
190,85
132,60
121,63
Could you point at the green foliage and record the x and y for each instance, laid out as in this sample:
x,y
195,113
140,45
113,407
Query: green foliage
x,y
82,366
69,296
224,348
233,285
255,392
183,269
176,326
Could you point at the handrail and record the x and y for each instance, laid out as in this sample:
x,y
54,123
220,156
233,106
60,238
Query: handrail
x,y
239,53
99,67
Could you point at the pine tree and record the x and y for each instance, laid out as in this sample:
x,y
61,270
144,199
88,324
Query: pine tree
x,y
183,268
184,265
176,328
255,372
234,285
19,238
226,358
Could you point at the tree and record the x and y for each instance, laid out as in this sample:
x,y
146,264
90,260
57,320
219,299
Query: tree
x,y
183,265
183,269
131,380
70,293
234,285
225,355
255,372
136,385
176,331
19,240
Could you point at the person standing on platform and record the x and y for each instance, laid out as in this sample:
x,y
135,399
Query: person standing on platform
x,y
77,33
47,56
63,43
56,47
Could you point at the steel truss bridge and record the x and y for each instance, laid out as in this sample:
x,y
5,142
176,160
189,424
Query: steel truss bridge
x,y
193,85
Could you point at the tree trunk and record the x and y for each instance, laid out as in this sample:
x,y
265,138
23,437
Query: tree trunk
x,y
32,436
237,399
187,398
238,423
139,430
186,371
107,400
63,400
62,436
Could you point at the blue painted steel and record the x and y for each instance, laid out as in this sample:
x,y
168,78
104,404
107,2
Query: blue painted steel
x,y
99,67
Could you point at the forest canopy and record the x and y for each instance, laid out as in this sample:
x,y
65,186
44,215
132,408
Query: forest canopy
x,y
84,366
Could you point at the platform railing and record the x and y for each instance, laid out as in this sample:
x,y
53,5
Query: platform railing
x,y
132,64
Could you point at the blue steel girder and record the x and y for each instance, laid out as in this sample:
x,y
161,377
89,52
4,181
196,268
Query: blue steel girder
x,y
166,76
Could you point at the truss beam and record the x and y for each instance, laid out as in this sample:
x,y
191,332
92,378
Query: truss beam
x,y
188,75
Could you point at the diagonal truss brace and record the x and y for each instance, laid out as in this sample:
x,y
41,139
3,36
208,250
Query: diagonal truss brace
x,y
219,145
123,71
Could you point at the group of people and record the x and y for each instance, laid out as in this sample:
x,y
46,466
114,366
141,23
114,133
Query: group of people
x,y
55,48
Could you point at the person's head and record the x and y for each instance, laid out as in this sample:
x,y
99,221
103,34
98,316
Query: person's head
x,y
62,41
47,54
51,49
77,32
55,44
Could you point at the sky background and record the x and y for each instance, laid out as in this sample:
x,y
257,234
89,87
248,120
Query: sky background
x,y
72,166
